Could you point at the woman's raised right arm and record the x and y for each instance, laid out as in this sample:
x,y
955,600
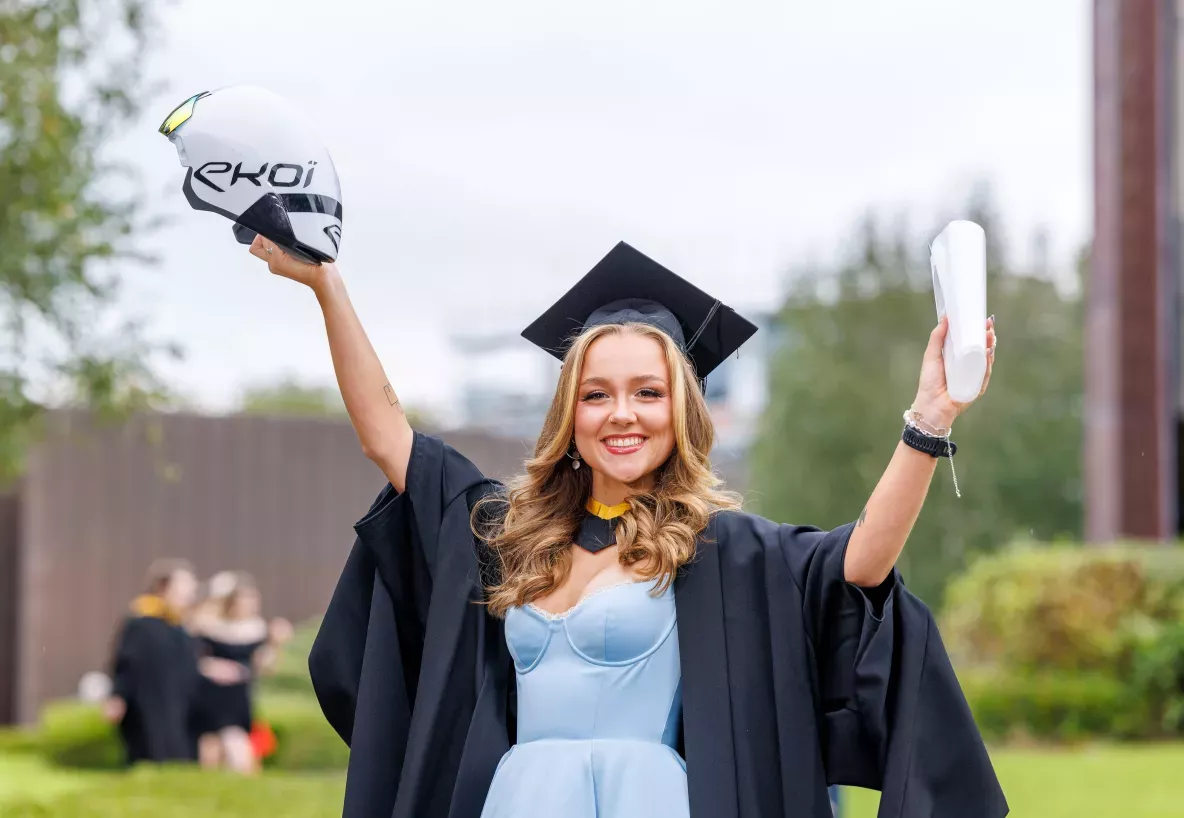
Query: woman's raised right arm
x,y
373,407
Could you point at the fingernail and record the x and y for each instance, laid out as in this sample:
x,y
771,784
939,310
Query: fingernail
x,y
992,319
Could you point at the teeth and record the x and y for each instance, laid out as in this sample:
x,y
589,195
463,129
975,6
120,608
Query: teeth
x,y
624,442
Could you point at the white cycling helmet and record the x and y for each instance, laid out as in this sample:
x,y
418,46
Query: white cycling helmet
x,y
251,159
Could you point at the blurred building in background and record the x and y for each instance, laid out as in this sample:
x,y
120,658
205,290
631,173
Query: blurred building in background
x,y
503,383
1135,347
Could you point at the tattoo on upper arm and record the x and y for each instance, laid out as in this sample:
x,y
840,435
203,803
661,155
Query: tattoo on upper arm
x,y
862,517
392,398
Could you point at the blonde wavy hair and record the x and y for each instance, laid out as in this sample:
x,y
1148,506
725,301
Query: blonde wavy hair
x,y
530,534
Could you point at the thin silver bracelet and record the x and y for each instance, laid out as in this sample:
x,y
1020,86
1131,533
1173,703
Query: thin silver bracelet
x,y
914,419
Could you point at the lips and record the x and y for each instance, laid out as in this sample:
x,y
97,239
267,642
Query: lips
x,y
623,444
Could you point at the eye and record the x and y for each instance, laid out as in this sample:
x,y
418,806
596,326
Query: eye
x,y
595,395
652,394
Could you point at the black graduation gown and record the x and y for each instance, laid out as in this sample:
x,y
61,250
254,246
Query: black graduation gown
x,y
793,679
156,673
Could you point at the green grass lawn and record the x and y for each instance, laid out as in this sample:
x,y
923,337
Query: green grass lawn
x,y
1126,781
30,778
1137,781
31,788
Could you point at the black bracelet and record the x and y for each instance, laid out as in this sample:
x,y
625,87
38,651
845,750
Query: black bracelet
x,y
932,446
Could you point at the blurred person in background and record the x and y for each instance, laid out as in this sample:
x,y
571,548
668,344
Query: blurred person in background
x,y
609,635
204,717
155,670
237,645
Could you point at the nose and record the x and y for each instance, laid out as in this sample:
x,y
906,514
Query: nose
x,y
622,414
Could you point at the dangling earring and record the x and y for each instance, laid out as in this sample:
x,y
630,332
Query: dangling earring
x,y
574,454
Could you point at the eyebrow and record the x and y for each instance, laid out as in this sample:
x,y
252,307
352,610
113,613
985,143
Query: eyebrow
x,y
637,379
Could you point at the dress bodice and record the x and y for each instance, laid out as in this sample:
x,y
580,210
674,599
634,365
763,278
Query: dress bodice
x,y
607,668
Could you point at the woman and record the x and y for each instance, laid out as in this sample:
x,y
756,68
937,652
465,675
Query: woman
x,y
155,669
207,721
610,636
236,640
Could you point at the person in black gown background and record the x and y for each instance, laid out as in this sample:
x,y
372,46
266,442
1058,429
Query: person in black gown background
x,y
155,670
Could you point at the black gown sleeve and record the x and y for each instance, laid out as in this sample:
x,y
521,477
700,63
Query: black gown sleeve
x,y
377,615
335,660
892,716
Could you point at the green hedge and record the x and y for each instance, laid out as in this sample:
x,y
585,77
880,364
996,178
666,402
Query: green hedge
x,y
1064,642
1050,705
1062,607
76,735
16,740
304,740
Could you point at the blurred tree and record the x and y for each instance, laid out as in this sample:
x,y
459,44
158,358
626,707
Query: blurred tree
x,y
70,77
291,398
848,367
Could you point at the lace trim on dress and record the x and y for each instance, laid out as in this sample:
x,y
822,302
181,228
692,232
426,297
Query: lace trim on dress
x,y
596,593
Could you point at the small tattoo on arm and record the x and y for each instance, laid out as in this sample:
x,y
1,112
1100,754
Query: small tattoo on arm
x,y
392,398
862,517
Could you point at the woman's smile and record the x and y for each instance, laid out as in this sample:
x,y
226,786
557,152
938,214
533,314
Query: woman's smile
x,y
623,444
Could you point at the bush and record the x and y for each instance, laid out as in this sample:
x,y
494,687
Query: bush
x,y
1061,607
74,734
1050,705
19,741
1157,679
305,741
1063,641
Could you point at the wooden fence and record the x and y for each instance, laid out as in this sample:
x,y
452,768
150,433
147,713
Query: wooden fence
x,y
273,496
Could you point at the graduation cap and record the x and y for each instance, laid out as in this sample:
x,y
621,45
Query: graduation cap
x,y
628,286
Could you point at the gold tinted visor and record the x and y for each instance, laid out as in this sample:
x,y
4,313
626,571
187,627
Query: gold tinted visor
x,y
181,114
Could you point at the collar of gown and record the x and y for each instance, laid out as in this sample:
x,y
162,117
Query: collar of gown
x,y
598,528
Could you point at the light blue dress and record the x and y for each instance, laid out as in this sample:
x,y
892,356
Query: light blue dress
x,y
599,703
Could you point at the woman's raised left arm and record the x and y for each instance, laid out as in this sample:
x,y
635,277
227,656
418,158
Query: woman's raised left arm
x,y
884,525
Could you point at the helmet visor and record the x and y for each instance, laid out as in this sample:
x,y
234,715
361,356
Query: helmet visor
x,y
181,114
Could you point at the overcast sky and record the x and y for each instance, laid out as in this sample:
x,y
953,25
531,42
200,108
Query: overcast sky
x,y
490,152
